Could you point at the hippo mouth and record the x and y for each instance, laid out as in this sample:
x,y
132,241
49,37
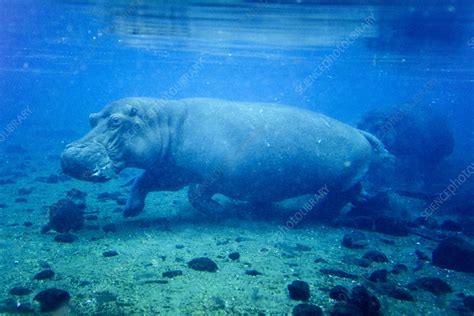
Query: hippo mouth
x,y
89,163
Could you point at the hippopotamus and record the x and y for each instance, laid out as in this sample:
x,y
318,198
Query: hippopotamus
x,y
252,152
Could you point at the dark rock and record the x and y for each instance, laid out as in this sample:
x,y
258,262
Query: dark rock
x,y
400,294
20,291
65,215
390,226
361,262
109,228
203,264
365,301
339,273
355,240
65,238
179,246
399,268
45,274
430,284
422,256
451,225
156,282
121,201
379,276
454,253
375,256
172,273
110,253
469,302
253,272
339,293
25,191
299,290
428,222
27,224
234,256
320,260
307,310
52,299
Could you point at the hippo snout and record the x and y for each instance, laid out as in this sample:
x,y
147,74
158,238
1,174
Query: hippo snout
x,y
88,162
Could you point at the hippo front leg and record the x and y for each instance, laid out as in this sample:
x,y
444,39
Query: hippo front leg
x,y
201,199
142,185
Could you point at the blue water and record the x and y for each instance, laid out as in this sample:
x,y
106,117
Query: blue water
x,y
61,60
68,58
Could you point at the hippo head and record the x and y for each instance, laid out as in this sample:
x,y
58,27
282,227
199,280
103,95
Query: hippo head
x,y
122,136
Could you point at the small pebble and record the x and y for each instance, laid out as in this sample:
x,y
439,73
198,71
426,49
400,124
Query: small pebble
x,y
172,273
399,268
110,253
234,255
45,274
253,272
20,291
375,256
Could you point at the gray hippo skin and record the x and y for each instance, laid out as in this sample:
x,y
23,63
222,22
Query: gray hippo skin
x,y
253,152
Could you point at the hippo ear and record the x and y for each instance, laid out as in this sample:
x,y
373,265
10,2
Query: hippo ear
x,y
133,112
93,119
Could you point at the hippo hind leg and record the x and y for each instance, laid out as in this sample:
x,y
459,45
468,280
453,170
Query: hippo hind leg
x,y
201,199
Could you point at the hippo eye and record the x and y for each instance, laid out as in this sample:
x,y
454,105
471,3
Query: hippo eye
x,y
133,112
114,122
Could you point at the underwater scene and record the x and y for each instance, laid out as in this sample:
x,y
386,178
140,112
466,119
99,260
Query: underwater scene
x,y
236,157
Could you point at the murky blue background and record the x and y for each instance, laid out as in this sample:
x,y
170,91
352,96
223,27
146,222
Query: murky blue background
x,y
65,59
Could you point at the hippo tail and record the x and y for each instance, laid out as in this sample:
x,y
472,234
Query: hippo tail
x,y
378,147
